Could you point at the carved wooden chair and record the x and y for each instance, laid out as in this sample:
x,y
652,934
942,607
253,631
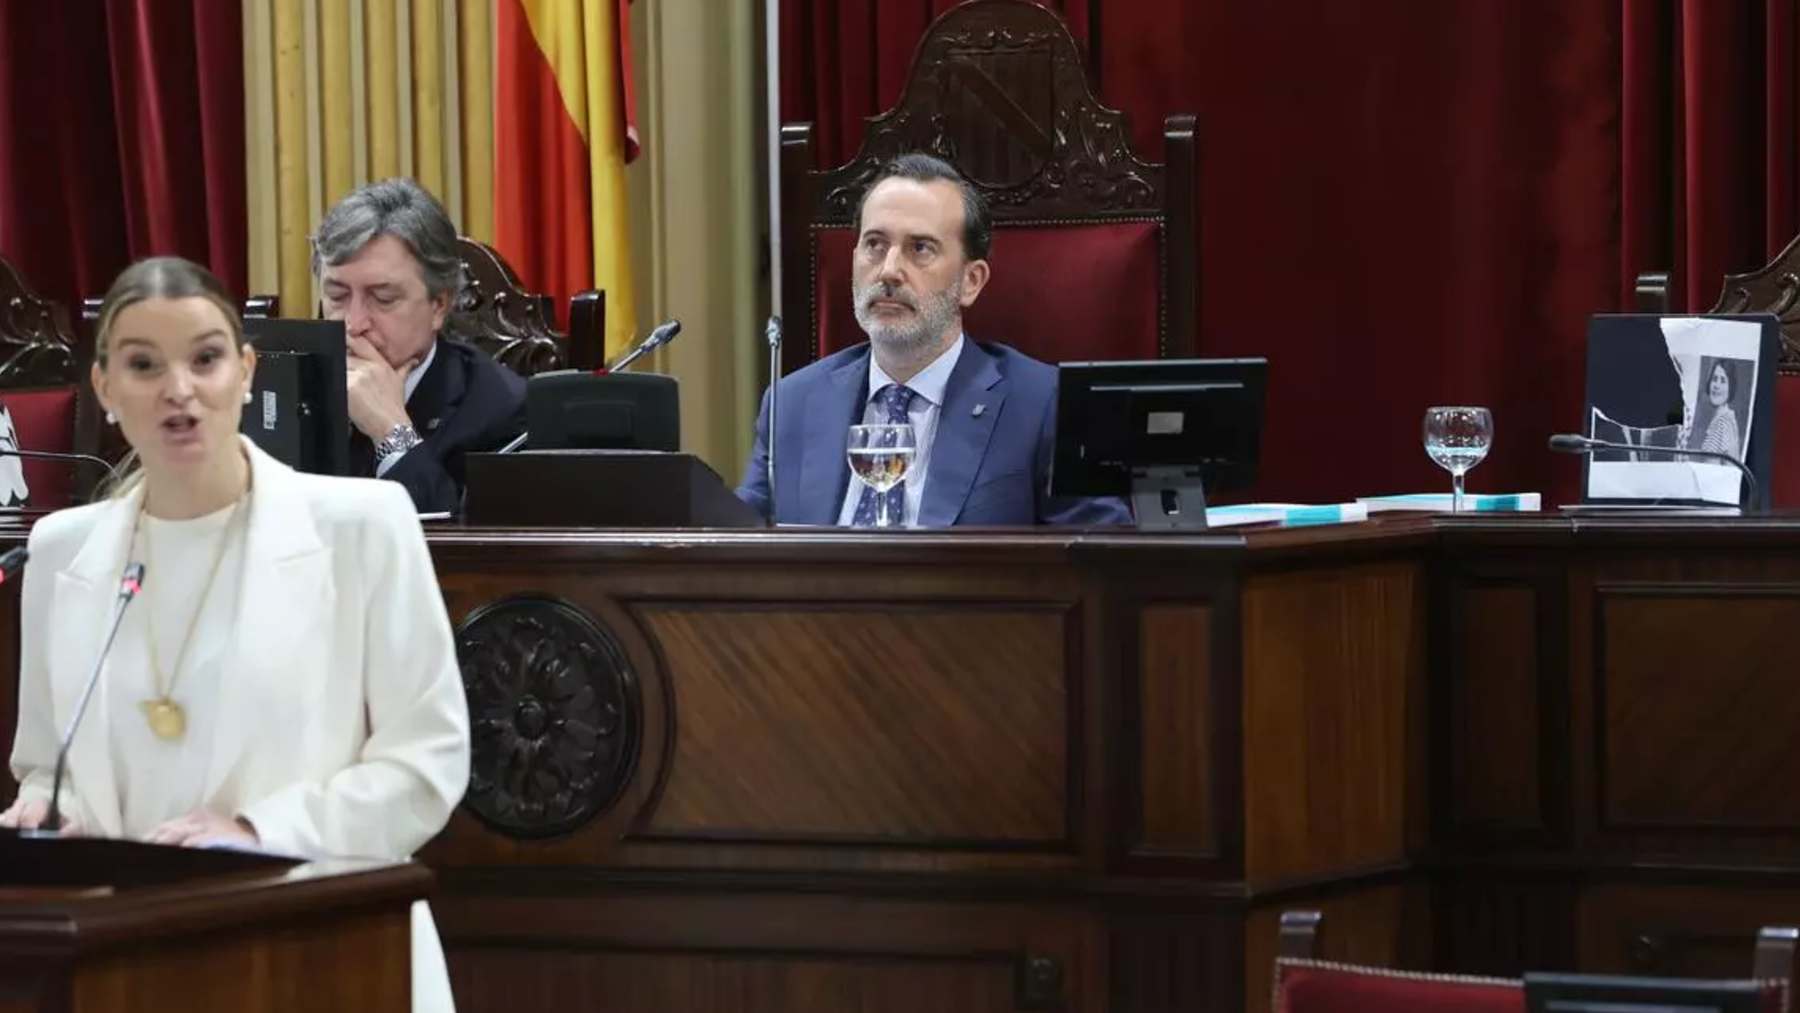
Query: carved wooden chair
x,y
40,376
1095,251
517,327
1306,984
1772,288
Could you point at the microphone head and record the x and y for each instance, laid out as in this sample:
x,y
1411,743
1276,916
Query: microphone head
x,y
665,332
132,582
1569,443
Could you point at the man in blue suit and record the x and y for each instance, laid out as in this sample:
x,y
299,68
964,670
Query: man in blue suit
x,y
983,414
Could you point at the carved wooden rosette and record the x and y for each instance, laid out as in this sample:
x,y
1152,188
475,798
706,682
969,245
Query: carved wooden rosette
x,y
37,347
496,315
554,713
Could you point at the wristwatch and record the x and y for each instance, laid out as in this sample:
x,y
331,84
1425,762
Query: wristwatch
x,y
399,440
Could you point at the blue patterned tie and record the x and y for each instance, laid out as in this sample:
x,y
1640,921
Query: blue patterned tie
x,y
896,399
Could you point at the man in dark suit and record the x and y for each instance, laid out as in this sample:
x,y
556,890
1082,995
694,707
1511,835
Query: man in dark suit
x,y
387,263
984,415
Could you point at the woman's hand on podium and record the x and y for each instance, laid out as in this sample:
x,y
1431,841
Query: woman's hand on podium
x,y
204,827
28,814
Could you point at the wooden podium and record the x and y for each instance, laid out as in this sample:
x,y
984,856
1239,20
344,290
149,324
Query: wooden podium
x,y
610,488
90,924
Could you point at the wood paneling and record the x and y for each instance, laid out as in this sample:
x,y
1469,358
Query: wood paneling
x,y
809,952
1176,713
1499,924
728,983
942,724
1330,659
1698,708
323,966
1679,930
1495,708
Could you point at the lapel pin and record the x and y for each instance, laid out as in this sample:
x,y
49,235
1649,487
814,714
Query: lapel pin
x,y
977,410
432,425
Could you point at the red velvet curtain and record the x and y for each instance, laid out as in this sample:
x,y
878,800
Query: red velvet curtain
x,y
121,136
1709,140
1405,204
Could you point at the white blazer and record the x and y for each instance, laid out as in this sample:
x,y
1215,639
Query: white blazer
x,y
343,728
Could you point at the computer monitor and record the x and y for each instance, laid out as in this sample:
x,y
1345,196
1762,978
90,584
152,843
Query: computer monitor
x,y
1162,432
298,410
1600,993
575,409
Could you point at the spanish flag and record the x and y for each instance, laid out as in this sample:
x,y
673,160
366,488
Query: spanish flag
x,y
562,136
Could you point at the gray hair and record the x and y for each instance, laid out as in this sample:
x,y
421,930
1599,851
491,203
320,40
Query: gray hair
x,y
401,208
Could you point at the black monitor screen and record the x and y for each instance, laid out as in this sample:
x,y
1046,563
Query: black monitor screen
x,y
298,410
1114,417
1598,993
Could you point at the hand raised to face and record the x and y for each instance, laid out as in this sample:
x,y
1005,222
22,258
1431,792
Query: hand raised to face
x,y
376,391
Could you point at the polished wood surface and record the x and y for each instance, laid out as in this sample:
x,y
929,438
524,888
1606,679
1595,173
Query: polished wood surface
x,y
159,929
984,770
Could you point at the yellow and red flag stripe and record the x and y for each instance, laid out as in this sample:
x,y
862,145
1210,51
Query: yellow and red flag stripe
x,y
563,134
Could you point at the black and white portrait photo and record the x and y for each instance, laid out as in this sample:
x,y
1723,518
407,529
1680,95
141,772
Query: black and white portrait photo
x,y
1722,408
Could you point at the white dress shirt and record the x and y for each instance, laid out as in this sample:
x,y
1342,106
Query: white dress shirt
x,y
412,384
927,404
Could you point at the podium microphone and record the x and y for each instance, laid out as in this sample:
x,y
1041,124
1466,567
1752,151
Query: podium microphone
x,y
663,334
129,586
772,333
52,455
1575,443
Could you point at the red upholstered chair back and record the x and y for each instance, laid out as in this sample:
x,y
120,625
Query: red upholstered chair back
x,y
1094,253
1317,986
39,381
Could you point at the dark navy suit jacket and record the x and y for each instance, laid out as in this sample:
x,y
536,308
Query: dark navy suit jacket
x,y
990,463
465,402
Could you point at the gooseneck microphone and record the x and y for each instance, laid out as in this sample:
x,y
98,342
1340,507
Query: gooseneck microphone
x,y
52,455
1575,443
772,333
663,334
129,586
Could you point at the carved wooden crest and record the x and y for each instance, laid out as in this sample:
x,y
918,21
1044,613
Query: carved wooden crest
x,y
554,715
496,315
37,347
998,89
1775,289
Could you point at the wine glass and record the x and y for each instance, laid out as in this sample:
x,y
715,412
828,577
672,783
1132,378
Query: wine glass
x,y
881,456
1457,438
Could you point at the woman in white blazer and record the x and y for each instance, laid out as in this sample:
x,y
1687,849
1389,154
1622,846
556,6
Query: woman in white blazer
x,y
286,678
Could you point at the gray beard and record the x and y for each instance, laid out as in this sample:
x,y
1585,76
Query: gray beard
x,y
933,315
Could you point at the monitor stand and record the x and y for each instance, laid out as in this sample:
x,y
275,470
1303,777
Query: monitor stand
x,y
1168,499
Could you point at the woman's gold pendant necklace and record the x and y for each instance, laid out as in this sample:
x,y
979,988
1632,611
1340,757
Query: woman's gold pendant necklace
x,y
167,719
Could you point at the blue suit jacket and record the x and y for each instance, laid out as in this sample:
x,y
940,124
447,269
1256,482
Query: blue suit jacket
x,y
990,463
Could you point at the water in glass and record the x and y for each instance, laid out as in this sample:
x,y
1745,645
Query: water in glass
x,y
1457,437
880,456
